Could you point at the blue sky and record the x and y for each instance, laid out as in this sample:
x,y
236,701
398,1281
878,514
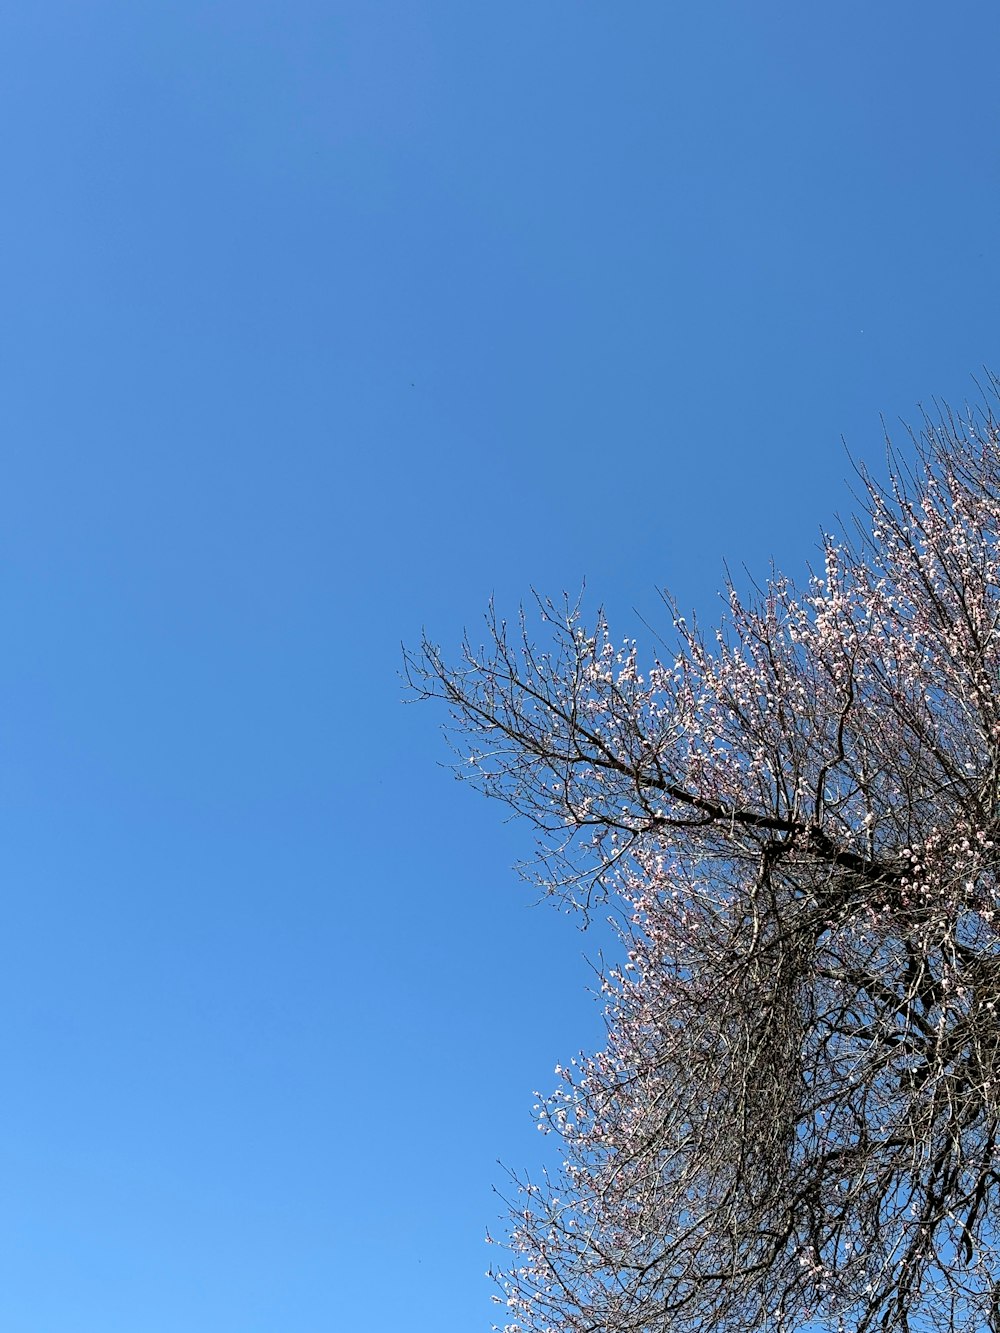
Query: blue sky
x,y
322,322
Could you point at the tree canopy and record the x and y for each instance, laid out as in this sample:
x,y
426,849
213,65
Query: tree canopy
x,y
794,1121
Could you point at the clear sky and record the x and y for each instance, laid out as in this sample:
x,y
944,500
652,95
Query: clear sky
x,y
320,322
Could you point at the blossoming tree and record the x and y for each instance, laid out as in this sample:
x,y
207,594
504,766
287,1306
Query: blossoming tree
x,y
795,1122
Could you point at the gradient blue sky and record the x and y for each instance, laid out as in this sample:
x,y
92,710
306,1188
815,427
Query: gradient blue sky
x,y
320,322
